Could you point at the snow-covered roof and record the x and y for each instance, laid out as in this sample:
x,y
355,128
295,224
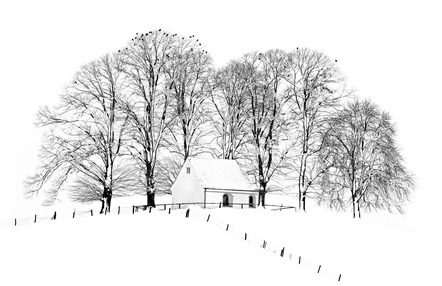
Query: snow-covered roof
x,y
220,174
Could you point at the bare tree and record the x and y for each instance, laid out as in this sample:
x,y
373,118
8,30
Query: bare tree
x,y
149,106
86,135
168,169
366,161
188,71
125,183
264,76
231,110
315,87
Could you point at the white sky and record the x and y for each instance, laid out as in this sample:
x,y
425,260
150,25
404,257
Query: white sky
x,y
390,52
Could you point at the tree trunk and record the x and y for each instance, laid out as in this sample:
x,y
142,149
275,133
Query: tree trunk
x,y
151,198
108,203
353,205
262,194
261,198
304,195
102,205
150,186
185,145
299,197
302,192
106,200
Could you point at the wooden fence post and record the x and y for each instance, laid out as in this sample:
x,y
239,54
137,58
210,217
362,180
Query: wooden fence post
x,y
179,206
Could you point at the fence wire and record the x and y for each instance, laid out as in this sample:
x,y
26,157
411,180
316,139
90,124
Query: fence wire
x,y
291,255
288,254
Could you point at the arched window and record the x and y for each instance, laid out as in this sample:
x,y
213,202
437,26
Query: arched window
x,y
251,202
226,200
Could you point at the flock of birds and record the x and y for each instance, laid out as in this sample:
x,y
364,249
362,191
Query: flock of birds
x,y
158,32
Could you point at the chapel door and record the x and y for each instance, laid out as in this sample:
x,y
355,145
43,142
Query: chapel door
x,y
225,200
251,202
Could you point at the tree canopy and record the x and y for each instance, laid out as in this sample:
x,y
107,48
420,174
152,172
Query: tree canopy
x,y
128,121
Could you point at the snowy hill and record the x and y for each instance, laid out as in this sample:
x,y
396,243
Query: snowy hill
x,y
138,249
380,249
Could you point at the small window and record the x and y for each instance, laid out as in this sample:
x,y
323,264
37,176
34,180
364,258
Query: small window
x,y
188,170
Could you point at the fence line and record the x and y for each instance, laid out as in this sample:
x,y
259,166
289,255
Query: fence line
x,y
282,251
131,209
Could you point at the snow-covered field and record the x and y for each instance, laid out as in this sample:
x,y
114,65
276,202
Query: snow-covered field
x,y
157,247
139,249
